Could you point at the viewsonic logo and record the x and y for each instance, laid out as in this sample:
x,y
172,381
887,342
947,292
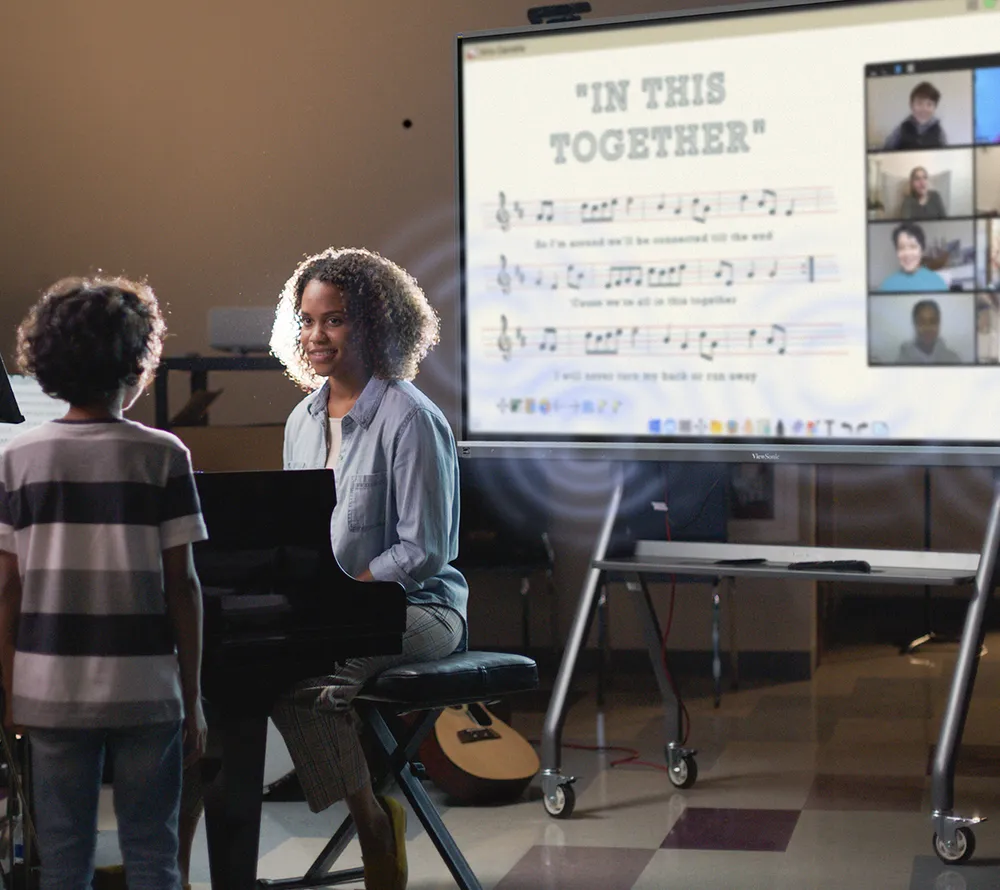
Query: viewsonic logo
x,y
765,455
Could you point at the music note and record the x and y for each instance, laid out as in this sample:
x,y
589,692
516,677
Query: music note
x,y
503,341
546,212
725,271
665,276
778,338
743,202
548,340
753,336
774,270
619,275
503,276
752,270
698,210
573,276
791,208
769,196
707,353
503,216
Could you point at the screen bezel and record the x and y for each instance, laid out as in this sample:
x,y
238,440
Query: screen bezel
x,y
828,450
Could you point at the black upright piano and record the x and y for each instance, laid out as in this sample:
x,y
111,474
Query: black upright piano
x,y
278,609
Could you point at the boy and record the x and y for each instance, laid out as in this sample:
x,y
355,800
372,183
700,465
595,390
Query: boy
x,y
921,129
97,586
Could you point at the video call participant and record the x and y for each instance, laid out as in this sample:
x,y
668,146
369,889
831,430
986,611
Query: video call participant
x,y
921,129
353,327
912,276
922,202
987,335
927,347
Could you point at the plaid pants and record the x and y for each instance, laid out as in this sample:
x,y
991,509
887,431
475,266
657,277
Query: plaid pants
x,y
324,744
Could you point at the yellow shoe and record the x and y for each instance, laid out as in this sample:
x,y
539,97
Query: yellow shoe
x,y
390,872
110,877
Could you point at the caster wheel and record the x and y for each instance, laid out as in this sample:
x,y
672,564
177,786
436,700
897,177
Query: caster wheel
x,y
562,806
684,773
960,851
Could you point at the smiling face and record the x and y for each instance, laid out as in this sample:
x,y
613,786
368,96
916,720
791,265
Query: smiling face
x,y
923,109
325,335
918,182
908,252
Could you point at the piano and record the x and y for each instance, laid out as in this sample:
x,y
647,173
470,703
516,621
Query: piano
x,y
278,609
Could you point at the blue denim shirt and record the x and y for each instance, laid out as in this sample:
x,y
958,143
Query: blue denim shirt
x,y
397,487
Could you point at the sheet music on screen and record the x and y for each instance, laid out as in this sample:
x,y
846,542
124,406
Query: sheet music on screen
x,y
35,405
718,227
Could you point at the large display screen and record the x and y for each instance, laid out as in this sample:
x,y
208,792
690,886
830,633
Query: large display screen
x,y
771,226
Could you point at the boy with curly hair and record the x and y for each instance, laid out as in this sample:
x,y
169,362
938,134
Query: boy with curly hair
x,y
100,606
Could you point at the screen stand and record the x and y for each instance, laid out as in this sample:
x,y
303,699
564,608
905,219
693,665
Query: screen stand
x,y
556,788
928,636
953,839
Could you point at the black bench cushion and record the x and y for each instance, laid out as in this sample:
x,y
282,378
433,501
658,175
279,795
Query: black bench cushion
x,y
459,678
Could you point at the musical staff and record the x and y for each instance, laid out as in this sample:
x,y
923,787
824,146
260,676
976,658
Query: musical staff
x,y
699,207
707,341
705,272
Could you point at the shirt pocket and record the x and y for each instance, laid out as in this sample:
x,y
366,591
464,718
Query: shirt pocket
x,y
366,502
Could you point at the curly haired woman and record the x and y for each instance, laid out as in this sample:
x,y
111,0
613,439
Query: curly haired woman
x,y
352,327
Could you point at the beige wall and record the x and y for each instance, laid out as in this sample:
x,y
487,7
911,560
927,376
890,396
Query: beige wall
x,y
208,146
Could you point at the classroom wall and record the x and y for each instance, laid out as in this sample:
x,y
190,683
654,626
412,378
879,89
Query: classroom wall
x,y
210,146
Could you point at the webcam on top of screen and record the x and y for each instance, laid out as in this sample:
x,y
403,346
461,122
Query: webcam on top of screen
x,y
559,12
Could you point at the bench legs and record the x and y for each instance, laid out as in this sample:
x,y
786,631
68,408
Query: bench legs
x,y
397,746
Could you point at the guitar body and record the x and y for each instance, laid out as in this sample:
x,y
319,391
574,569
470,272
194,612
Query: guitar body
x,y
474,757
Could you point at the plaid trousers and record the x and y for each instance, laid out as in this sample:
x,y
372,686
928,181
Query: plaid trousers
x,y
324,744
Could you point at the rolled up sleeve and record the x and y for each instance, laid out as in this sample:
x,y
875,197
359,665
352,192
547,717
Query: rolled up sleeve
x,y
425,479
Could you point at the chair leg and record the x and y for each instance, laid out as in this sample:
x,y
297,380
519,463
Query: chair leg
x,y
396,762
423,806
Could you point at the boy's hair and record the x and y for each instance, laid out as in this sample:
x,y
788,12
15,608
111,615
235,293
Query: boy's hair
x,y
925,90
920,305
911,229
86,338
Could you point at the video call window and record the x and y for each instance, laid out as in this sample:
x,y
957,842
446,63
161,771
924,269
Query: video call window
x,y
933,211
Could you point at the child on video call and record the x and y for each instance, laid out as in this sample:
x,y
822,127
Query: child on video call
x,y
921,129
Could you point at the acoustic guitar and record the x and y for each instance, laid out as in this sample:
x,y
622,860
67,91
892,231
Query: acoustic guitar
x,y
474,757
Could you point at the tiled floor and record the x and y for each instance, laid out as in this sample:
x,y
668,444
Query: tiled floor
x,y
808,786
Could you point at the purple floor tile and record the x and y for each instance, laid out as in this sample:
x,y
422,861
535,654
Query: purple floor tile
x,y
576,868
704,828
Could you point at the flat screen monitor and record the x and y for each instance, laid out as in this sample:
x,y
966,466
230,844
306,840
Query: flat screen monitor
x,y
758,233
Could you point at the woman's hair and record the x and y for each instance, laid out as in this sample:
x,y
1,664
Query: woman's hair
x,y
87,338
914,172
392,324
921,305
911,229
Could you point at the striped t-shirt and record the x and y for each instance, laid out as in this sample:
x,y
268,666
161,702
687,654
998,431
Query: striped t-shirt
x,y
88,507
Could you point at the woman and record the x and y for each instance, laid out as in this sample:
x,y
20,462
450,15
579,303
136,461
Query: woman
x,y
353,327
912,276
922,202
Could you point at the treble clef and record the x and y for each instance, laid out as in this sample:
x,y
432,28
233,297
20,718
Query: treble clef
x,y
504,342
503,276
503,215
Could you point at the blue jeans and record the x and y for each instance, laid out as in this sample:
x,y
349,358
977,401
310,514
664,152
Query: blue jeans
x,y
67,765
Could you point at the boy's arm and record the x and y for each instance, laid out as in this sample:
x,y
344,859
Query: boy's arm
x,y
183,595
10,612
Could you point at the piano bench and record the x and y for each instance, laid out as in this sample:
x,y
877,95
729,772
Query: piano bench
x,y
425,689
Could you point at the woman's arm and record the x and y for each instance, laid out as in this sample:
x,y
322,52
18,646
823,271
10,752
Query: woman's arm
x,y
425,479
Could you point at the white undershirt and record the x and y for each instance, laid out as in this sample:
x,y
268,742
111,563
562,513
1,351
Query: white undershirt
x,y
336,437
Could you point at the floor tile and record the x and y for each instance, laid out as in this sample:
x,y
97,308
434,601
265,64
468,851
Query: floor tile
x,y
576,868
883,793
727,829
